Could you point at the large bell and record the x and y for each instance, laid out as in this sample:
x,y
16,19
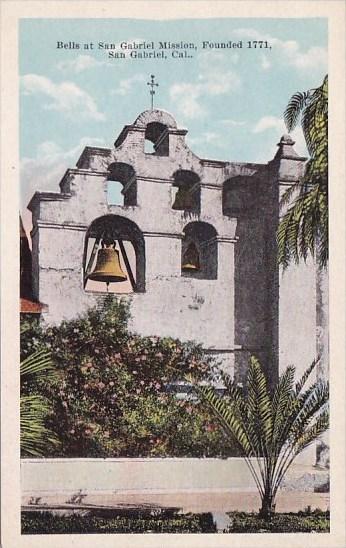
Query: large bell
x,y
108,268
191,259
183,199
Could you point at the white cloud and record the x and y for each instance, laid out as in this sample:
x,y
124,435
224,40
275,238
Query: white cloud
x,y
312,58
213,80
268,122
80,63
65,97
206,137
126,86
272,123
228,122
45,171
265,63
186,96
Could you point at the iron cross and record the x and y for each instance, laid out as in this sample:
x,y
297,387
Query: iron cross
x,y
152,84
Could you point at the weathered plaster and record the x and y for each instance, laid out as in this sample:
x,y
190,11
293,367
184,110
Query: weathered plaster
x,y
234,315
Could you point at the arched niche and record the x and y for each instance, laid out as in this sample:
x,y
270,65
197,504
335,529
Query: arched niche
x,y
129,243
156,139
125,175
187,197
204,237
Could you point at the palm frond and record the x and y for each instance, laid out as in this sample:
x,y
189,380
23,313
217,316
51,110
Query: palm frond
x,y
304,227
294,109
275,428
259,404
320,425
234,424
303,379
35,364
282,401
287,196
35,437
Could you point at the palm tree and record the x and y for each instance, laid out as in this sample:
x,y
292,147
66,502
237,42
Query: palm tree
x,y
304,227
270,429
35,437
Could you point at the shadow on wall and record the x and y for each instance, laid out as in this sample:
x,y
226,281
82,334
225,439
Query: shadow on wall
x,y
246,199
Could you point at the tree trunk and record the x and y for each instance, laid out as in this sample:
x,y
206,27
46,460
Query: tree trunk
x,y
268,507
322,350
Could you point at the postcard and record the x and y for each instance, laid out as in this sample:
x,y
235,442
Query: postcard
x,y
173,236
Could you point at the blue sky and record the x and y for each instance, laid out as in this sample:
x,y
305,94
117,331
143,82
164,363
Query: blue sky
x,y
231,100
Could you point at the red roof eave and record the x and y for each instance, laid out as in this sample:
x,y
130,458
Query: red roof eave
x,y
31,307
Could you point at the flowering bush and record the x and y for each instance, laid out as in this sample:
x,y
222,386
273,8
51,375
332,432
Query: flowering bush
x,y
115,391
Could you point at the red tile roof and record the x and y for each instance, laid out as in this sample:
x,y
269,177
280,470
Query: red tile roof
x,y
30,307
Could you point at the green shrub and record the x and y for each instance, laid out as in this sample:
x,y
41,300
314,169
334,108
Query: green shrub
x,y
171,522
302,522
114,396
46,523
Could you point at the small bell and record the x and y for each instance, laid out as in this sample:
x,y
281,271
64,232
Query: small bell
x,y
183,199
107,268
191,259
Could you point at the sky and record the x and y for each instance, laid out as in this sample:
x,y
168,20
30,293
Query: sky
x,y
231,99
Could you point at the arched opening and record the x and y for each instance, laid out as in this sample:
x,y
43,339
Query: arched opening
x,y
199,251
156,139
114,193
114,256
187,191
121,185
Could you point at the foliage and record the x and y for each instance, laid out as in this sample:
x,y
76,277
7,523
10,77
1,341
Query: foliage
x,y
241,522
302,522
114,393
304,227
271,429
46,523
35,409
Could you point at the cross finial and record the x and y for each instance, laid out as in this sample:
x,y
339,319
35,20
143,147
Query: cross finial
x,y
152,84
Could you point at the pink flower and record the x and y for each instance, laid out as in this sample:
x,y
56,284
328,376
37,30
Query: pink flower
x,y
157,385
101,385
142,382
85,386
159,355
111,383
